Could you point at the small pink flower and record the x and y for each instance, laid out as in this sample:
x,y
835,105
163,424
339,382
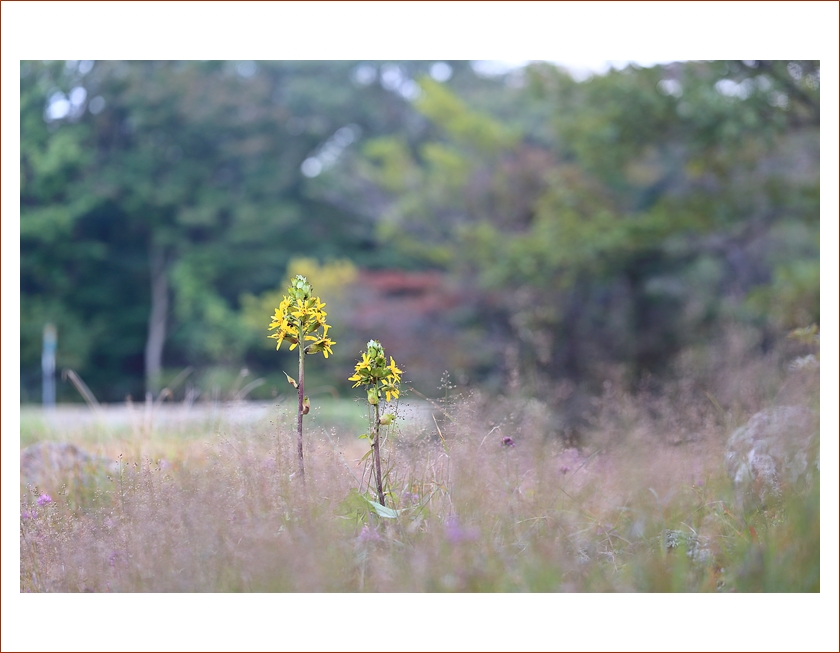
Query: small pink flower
x,y
44,499
455,533
368,534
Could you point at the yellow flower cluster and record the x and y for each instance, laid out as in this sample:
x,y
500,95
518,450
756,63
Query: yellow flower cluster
x,y
379,376
299,317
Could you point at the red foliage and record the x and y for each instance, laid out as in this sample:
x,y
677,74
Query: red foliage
x,y
410,313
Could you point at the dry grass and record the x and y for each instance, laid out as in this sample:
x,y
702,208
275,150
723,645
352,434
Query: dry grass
x,y
644,505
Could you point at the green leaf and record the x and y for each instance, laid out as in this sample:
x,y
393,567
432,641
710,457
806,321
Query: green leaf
x,y
382,511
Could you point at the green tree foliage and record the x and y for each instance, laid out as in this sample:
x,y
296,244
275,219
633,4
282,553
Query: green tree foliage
x,y
596,224
156,195
662,199
51,203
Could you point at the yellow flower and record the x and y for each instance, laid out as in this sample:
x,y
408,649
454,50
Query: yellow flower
x,y
322,344
391,388
381,378
281,334
394,369
325,343
297,318
279,320
299,310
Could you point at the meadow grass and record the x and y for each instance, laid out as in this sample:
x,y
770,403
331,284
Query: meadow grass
x,y
487,498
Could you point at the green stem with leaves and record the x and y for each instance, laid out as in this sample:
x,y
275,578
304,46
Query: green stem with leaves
x,y
376,464
380,378
301,355
298,318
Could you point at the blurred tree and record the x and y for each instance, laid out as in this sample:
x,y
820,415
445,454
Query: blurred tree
x,y
662,197
51,201
594,224
155,195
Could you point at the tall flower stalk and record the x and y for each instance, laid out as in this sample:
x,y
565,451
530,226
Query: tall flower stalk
x,y
381,379
299,319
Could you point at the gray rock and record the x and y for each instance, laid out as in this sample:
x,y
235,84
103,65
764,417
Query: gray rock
x,y
776,447
48,465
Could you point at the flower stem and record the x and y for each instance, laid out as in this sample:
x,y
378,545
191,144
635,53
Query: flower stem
x,y
300,409
376,463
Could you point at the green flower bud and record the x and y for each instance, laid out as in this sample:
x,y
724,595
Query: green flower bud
x,y
373,396
387,419
300,288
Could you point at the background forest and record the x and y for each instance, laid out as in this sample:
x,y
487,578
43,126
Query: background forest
x,y
527,227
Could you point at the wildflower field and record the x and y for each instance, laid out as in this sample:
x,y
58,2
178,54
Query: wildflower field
x,y
660,488
479,497
479,494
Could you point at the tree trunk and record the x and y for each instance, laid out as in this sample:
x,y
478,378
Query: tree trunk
x,y
157,319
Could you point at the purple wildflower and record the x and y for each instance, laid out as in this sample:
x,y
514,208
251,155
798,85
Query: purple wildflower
x,y
456,533
369,534
565,469
507,441
26,514
44,499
